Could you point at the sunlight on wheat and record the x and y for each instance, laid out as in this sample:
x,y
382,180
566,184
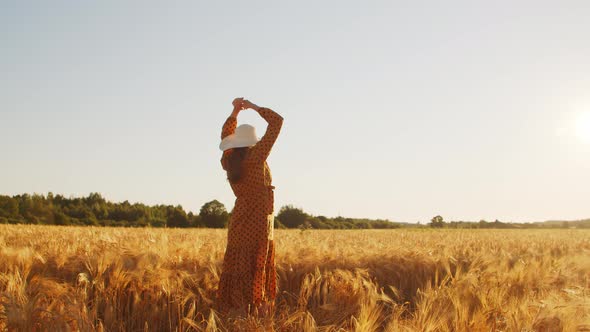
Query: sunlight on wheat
x,y
115,279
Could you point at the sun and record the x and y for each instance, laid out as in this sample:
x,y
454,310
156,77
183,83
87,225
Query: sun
x,y
583,127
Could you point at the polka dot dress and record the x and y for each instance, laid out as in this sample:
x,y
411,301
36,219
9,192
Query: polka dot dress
x,y
248,279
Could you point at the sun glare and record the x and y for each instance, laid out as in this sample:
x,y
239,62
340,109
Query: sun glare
x,y
583,127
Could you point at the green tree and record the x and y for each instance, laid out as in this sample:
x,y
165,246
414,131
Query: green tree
x,y
214,215
437,222
177,217
291,217
61,219
157,223
195,220
8,207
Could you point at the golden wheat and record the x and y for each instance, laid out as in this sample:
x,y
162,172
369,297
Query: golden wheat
x,y
115,279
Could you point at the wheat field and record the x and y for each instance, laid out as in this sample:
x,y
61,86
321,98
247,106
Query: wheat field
x,y
123,279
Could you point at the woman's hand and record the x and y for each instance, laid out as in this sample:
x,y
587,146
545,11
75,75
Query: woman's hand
x,y
238,106
249,104
238,103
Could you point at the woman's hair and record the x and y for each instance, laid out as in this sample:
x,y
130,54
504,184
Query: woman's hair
x,y
233,163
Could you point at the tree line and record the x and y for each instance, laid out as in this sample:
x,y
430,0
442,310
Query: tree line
x,y
95,210
439,222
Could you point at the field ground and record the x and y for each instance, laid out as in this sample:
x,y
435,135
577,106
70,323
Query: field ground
x,y
122,279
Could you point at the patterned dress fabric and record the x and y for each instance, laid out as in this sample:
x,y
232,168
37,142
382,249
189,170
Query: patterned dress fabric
x,y
248,277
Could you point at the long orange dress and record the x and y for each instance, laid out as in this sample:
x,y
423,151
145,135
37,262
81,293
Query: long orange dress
x,y
248,278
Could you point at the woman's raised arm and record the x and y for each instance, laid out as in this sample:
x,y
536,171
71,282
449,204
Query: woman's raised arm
x,y
229,127
261,150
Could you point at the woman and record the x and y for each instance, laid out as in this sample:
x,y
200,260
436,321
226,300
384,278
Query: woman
x,y
248,279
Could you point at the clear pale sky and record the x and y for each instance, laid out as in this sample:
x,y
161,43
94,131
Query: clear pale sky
x,y
398,110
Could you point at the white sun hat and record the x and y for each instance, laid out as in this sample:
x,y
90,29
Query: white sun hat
x,y
244,136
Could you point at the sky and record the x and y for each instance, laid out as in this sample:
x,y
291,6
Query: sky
x,y
393,109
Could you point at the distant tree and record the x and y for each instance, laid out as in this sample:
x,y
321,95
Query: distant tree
x,y
305,226
214,215
177,217
90,221
157,223
316,223
291,217
61,218
24,204
8,207
195,220
483,224
437,222
278,225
